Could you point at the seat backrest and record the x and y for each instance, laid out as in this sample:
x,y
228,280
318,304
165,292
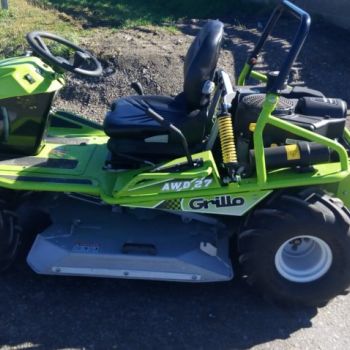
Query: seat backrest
x,y
201,61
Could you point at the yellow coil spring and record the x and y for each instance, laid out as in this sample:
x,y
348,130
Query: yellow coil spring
x,y
227,139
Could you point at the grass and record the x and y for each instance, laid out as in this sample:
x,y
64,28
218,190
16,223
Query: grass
x,y
23,17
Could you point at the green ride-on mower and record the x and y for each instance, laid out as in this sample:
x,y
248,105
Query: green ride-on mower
x,y
219,179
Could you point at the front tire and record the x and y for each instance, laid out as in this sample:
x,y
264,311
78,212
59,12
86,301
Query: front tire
x,y
297,249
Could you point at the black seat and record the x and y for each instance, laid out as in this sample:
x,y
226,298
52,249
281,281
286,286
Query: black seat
x,y
131,131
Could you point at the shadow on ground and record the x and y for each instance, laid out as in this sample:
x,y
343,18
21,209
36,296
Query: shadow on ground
x,y
60,312
116,13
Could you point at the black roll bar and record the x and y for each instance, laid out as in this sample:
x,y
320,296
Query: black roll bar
x,y
298,42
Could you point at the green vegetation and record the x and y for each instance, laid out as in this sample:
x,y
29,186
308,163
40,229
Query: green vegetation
x,y
23,17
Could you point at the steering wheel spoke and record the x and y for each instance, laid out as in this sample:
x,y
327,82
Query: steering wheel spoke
x,y
63,60
42,44
81,56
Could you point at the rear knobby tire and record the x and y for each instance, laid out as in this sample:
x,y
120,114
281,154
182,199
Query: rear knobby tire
x,y
297,249
10,235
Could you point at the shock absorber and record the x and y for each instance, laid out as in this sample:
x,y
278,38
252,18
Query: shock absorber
x,y
227,141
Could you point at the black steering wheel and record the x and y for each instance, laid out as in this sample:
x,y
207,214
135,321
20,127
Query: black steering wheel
x,y
82,57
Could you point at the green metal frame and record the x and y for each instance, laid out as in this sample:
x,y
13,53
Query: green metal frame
x,y
246,72
265,118
145,186
141,186
341,173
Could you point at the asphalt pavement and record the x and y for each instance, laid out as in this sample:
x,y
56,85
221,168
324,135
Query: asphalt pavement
x,y
39,312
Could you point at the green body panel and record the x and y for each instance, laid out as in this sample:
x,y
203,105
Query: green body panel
x,y
236,204
146,188
27,76
161,181
64,122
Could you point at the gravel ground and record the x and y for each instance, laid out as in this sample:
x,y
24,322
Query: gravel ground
x,y
80,313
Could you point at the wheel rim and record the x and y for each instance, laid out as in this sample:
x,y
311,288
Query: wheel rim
x,y
303,259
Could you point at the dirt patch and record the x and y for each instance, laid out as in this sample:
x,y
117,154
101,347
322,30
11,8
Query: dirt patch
x,y
155,56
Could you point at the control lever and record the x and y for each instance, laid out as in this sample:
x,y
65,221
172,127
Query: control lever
x,y
137,87
160,120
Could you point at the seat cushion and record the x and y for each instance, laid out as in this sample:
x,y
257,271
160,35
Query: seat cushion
x,y
128,119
